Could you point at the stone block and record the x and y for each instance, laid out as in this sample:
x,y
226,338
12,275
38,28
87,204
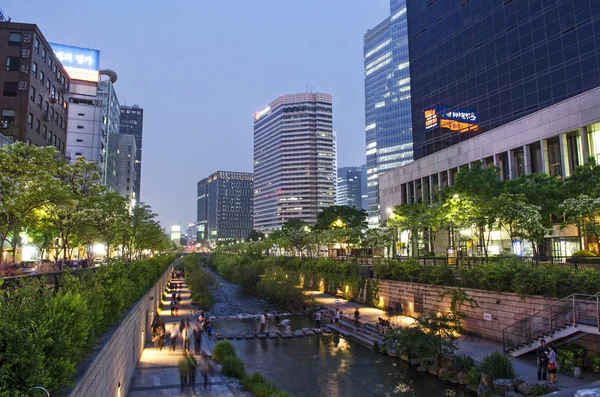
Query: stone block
x,y
482,391
522,386
503,386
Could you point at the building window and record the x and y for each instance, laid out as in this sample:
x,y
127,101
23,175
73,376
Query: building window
x,y
37,127
77,154
32,94
44,54
15,38
8,115
52,92
36,46
44,132
30,120
54,69
34,69
10,88
48,85
50,62
79,140
46,106
554,158
80,127
50,137
12,64
39,101
42,78
28,141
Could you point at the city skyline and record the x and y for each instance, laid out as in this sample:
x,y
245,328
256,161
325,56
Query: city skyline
x,y
225,109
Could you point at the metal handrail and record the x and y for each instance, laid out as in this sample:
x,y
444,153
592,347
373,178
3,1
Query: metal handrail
x,y
566,311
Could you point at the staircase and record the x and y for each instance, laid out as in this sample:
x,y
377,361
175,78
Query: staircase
x,y
573,316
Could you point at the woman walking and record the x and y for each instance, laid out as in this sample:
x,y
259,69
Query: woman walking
x,y
552,363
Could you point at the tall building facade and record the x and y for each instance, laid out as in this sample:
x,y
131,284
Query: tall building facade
x,y
478,65
388,122
132,123
294,159
224,206
35,88
126,174
107,98
349,187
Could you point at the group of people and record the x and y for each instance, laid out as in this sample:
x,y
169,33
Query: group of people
x,y
383,326
188,365
546,361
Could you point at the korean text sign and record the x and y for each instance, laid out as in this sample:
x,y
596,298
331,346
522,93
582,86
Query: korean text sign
x,y
80,63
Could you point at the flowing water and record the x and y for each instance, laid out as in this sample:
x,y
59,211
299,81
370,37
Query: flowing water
x,y
327,366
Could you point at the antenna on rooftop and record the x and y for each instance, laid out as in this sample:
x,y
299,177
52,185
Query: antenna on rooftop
x,y
3,18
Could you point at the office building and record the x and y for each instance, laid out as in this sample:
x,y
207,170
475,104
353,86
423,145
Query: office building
x,y
388,123
176,234
107,98
363,182
349,187
126,174
132,123
478,65
191,234
224,206
35,88
294,160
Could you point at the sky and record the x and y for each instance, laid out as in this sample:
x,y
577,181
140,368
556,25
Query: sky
x,y
201,68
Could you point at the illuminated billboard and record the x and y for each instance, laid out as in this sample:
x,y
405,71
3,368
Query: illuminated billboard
x,y
454,120
80,63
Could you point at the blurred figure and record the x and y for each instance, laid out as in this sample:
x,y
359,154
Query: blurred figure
x,y
184,371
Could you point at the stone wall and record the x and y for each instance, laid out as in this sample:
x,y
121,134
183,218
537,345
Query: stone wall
x,y
110,367
495,310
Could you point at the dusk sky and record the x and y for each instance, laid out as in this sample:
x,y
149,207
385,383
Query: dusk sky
x,y
201,68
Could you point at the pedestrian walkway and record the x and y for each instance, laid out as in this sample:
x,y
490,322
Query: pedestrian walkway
x,y
476,347
157,373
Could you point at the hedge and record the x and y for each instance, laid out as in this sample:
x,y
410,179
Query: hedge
x,y
44,334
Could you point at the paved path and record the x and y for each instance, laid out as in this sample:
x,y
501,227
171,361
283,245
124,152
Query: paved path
x,y
157,373
475,347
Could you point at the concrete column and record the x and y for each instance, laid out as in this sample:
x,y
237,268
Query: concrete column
x,y
415,192
584,144
544,153
430,189
564,155
511,164
526,160
439,181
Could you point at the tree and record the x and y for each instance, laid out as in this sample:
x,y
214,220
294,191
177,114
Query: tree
x,y
413,218
583,211
518,218
255,235
295,224
585,179
350,217
112,219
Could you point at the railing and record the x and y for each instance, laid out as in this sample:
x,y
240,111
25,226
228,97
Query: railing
x,y
572,310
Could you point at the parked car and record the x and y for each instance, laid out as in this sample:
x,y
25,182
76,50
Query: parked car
x,y
30,266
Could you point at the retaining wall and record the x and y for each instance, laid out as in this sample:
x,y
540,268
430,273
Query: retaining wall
x,y
109,369
495,311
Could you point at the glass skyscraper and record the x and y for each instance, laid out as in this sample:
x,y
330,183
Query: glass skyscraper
x,y
388,122
132,122
496,61
349,187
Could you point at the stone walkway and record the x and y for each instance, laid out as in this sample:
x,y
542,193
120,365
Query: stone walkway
x,y
157,373
475,347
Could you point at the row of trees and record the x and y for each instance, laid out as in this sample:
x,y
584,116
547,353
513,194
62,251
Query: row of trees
x,y
526,208
60,207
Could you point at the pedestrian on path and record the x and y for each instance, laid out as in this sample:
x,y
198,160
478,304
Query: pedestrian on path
x,y
318,319
176,308
174,336
184,371
552,363
161,335
206,368
192,366
185,338
172,307
542,360
356,316
337,316
263,321
197,337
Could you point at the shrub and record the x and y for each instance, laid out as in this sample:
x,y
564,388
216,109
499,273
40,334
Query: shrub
x,y
222,350
584,253
474,376
538,390
260,387
497,366
464,363
233,367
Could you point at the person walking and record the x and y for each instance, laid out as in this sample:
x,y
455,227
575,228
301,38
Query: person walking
x,y
172,307
185,338
356,316
205,367
552,363
542,361
174,336
197,337
184,371
263,321
337,316
192,366
277,320
318,319
161,335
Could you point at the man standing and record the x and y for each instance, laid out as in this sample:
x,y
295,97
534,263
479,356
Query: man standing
x,y
263,322
337,316
197,338
542,361
318,319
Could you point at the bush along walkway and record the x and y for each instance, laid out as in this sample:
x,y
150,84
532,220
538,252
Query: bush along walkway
x,y
463,367
157,373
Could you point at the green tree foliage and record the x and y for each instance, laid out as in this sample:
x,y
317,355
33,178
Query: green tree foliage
x,y
349,217
583,211
199,281
255,235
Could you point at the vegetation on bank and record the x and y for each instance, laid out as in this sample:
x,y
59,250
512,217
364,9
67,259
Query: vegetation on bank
x,y
44,334
199,281
234,367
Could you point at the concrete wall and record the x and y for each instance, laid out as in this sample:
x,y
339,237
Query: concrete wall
x,y
504,309
116,355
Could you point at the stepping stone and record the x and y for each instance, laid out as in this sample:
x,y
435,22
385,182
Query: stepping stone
x,y
298,334
307,332
327,331
229,336
219,336
248,336
317,331
273,335
286,335
239,337
261,336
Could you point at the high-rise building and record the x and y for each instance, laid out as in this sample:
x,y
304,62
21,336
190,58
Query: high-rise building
x,y
126,175
478,65
388,123
35,88
132,122
294,159
349,187
224,206
107,98
363,183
